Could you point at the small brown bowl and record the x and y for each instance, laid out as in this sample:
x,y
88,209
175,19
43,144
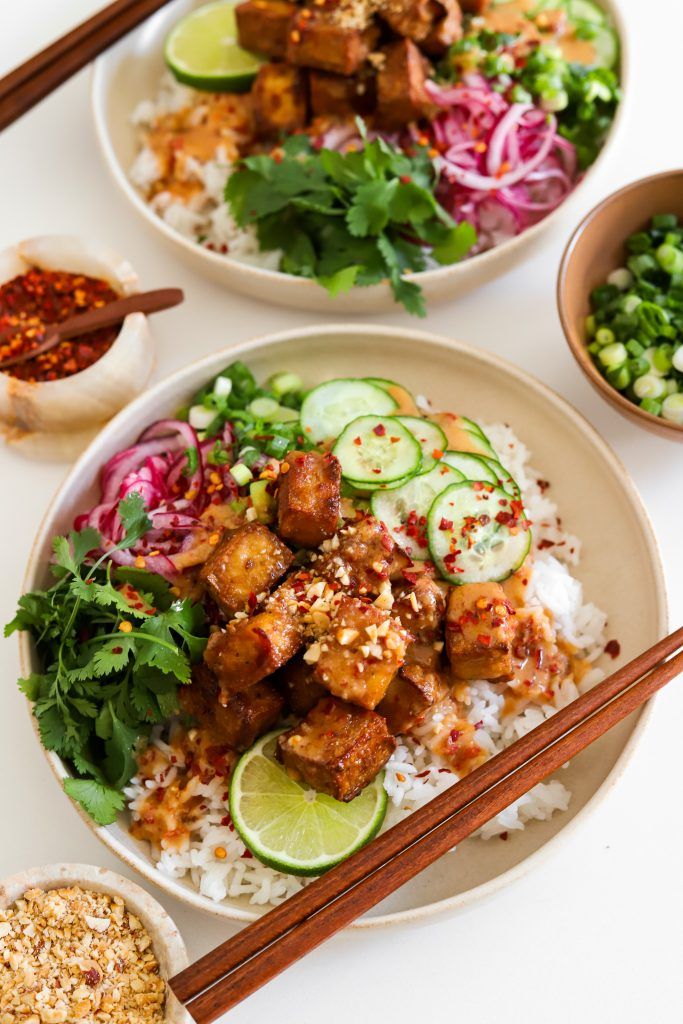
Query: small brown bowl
x,y
595,249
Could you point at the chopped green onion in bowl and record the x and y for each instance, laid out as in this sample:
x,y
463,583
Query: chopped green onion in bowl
x,y
634,331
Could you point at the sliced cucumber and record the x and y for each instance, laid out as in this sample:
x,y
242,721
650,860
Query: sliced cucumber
x,y
477,533
327,409
606,45
503,477
384,383
429,436
375,450
472,467
585,10
404,509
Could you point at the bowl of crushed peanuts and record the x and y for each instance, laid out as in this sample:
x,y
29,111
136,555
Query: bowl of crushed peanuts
x,y
81,943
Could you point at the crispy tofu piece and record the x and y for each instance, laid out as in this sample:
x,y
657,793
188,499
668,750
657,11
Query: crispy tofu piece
x,y
475,6
361,654
318,42
538,663
335,95
243,564
412,692
480,630
337,749
248,650
447,27
362,557
279,99
263,25
421,609
401,95
423,20
308,498
300,688
235,719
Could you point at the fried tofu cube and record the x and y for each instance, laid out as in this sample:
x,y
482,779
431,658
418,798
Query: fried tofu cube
x,y
412,692
361,654
242,565
234,719
480,629
362,557
337,749
319,42
335,95
475,6
296,680
248,650
263,25
308,499
447,28
413,19
421,609
401,95
279,99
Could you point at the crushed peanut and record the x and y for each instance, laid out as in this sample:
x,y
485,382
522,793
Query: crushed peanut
x,y
70,955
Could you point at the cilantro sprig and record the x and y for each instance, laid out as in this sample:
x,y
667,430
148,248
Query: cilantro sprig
x,y
111,665
347,219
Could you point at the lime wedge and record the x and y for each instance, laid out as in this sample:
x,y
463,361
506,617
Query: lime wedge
x,y
291,827
202,51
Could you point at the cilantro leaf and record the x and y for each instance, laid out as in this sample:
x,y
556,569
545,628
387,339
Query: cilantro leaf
x,y
102,803
347,219
456,244
70,552
134,519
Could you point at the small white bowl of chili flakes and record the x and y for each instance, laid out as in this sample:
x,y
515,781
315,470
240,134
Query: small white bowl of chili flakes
x,y
52,405
82,943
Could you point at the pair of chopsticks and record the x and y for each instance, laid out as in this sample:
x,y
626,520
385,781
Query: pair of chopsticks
x,y
240,966
32,81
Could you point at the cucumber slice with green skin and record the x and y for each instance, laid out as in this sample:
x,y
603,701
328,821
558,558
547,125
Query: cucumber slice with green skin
x,y
384,383
404,509
606,45
503,477
429,436
482,444
472,467
585,10
376,450
327,409
477,533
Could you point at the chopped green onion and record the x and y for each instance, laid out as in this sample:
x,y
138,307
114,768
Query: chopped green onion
x,y
664,221
621,278
222,386
200,417
652,405
590,326
672,408
263,408
604,336
614,355
619,378
677,359
285,384
661,359
634,348
241,474
649,386
670,259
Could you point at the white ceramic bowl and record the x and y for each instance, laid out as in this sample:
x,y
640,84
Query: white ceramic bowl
x,y
130,72
169,947
57,419
598,503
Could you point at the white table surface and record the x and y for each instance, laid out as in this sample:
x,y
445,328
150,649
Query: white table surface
x,y
595,932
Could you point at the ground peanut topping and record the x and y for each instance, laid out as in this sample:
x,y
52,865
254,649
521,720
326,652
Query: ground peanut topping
x,y
71,955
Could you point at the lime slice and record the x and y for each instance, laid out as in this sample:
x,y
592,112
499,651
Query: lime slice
x,y
202,51
291,827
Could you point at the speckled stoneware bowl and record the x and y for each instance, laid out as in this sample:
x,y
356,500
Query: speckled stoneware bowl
x,y
130,71
613,527
169,947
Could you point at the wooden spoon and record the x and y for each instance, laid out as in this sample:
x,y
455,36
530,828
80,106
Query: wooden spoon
x,y
105,316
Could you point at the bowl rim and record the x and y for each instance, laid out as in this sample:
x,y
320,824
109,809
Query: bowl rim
x,y
265,275
577,348
485,889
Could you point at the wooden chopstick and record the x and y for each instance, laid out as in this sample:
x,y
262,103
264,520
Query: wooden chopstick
x,y
227,957
32,81
312,931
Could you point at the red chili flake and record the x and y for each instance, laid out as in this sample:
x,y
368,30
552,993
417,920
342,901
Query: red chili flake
x,y
613,648
247,855
117,650
484,519
251,601
92,977
484,640
504,836
38,298
357,440
380,430
543,485
446,524
405,179
544,543
394,440
454,735
377,471
478,485
437,454
226,820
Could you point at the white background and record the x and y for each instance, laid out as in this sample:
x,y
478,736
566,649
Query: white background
x,y
594,933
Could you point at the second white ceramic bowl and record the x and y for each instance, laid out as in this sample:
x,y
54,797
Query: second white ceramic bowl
x,y
130,72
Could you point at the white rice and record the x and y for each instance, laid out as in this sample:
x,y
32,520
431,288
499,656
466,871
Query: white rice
x,y
204,218
415,773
